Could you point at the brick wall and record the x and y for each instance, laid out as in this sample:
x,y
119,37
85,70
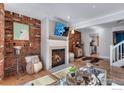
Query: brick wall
x,y
1,41
30,47
73,38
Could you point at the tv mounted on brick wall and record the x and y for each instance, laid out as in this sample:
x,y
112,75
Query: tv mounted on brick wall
x,y
61,29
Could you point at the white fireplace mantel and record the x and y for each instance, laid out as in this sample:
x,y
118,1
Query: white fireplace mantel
x,y
47,29
57,43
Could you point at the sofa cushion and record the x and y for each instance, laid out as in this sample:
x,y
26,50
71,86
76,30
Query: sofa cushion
x,y
37,67
32,59
30,68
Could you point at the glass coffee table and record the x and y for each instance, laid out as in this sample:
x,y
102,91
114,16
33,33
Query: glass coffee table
x,y
83,76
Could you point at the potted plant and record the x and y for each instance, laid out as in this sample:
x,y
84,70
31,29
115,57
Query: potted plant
x,y
72,70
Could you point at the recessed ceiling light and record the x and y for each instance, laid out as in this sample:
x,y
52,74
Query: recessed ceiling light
x,y
68,17
93,6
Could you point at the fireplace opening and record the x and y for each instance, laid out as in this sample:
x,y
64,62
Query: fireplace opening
x,y
58,57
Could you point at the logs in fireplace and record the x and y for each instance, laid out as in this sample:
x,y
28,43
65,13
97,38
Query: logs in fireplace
x,y
58,57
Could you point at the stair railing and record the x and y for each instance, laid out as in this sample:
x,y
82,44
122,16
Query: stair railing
x,y
116,52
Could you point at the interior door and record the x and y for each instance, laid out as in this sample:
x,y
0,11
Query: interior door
x,y
118,36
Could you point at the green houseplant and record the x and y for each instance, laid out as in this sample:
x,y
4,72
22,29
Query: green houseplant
x,y
72,70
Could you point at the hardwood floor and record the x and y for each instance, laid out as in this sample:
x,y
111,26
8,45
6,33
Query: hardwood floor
x,y
12,80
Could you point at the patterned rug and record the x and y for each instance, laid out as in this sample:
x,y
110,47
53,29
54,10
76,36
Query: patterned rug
x,y
48,79
92,59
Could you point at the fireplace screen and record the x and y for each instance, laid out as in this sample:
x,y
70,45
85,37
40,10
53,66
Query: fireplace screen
x,y
58,57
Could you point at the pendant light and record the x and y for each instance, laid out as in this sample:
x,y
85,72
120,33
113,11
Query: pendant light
x,y
72,30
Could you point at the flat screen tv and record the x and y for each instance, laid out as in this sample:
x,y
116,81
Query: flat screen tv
x,y
61,29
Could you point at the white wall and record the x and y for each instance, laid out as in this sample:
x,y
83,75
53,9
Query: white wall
x,y
105,40
44,37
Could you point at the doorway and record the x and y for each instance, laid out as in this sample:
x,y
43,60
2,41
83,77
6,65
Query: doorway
x,y
118,36
94,43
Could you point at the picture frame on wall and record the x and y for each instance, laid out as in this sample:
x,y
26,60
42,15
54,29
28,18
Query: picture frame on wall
x,y
21,31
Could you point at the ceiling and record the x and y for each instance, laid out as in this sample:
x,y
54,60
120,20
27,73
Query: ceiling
x,y
108,25
77,11
104,25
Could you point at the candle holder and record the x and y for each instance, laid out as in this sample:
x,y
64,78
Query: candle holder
x,y
17,50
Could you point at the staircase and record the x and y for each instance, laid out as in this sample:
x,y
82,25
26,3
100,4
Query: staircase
x,y
117,54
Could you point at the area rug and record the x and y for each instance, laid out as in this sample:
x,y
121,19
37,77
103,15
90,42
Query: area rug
x,y
48,80
45,80
122,66
92,59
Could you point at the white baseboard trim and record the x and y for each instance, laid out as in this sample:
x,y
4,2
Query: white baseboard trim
x,y
104,57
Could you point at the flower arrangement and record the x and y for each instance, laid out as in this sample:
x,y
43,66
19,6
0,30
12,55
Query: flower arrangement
x,y
72,70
